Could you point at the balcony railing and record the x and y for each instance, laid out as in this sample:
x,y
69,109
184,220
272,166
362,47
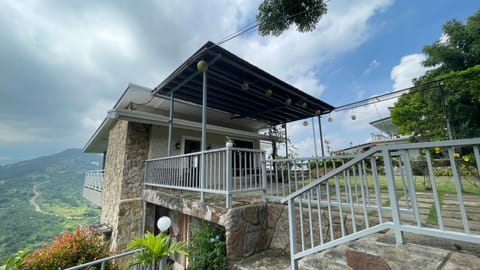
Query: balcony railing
x,y
94,180
227,171
93,187
399,187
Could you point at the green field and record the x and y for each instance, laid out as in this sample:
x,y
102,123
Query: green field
x,y
59,180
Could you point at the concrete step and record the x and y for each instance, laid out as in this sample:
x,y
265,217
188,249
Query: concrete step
x,y
377,251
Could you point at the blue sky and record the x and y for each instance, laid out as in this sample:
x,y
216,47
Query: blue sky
x,y
64,64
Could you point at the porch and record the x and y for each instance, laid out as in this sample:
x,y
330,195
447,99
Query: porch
x,y
420,190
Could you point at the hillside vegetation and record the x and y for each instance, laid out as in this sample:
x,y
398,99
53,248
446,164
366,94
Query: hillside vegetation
x,y
42,197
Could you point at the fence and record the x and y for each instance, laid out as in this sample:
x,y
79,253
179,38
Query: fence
x,y
94,179
227,171
379,190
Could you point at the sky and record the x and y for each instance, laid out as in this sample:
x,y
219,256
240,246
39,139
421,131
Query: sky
x,y
64,64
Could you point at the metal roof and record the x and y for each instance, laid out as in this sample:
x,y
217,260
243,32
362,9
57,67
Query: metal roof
x,y
265,99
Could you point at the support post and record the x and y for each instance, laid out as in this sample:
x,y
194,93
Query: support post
x,y
264,173
445,113
286,142
392,192
321,134
293,233
170,126
229,177
202,66
314,138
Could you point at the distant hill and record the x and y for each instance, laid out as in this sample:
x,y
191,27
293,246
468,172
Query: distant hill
x,y
70,159
58,180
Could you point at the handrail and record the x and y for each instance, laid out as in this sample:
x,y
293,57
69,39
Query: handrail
x,y
356,199
331,174
227,171
104,260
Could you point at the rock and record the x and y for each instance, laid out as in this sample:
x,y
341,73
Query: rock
x,y
462,261
359,260
274,212
250,214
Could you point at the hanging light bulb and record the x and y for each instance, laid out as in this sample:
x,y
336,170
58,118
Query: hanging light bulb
x,y
268,93
305,123
353,116
288,101
244,86
202,66
318,112
304,105
330,119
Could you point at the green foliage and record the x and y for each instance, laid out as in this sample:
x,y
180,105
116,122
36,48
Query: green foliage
x,y
67,250
59,179
275,16
14,262
451,89
207,248
460,47
155,247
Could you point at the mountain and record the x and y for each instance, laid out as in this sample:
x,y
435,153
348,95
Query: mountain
x,y
42,197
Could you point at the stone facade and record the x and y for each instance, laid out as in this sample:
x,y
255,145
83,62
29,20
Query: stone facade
x,y
123,184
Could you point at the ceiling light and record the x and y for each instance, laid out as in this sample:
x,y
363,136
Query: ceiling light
x,y
288,101
268,93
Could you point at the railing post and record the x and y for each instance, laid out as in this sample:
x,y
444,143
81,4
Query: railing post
x,y
228,176
392,192
293,233
264,173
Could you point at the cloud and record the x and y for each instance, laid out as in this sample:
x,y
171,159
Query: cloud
x,y
295,56
65,63
371,67
410,68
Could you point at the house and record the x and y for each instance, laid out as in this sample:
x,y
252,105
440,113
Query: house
x,y
166,154
172,138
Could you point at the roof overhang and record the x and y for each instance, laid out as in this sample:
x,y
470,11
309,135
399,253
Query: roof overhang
x,y
138,105
240,88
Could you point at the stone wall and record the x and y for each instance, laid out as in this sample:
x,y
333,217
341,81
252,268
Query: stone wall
x,y
123,185
246,228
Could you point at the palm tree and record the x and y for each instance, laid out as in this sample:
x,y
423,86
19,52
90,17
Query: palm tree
x,y
155,248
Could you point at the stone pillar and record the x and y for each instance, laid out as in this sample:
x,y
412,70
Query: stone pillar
x,y
122,205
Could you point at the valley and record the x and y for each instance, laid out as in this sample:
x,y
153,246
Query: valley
x,y
42,197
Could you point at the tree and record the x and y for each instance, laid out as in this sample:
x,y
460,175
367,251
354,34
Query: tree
x,y
450,91
458,49
275,16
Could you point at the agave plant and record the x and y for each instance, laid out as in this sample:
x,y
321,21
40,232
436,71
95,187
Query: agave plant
x,y
155,248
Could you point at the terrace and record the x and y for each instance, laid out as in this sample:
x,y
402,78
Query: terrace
x,y
430,189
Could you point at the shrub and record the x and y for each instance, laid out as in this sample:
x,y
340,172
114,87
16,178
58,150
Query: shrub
x,y
67,250
155,248
207,248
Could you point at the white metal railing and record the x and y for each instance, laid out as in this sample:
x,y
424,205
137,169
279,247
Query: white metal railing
x,y
285,176
378,190
227,171
94,179
105,261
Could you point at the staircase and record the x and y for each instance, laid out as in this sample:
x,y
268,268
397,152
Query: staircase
x,y
377,251
377,191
